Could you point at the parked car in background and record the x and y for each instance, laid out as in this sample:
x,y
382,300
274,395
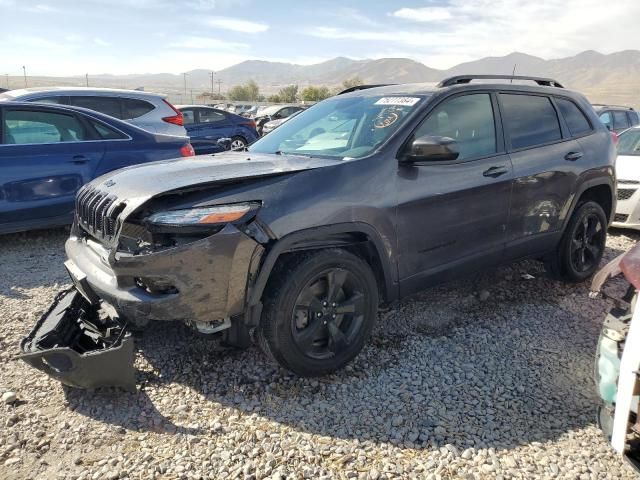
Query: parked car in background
x,y
617,118
366,197
618,359
274,112
628,179
206,125
150,111
273,124
47,152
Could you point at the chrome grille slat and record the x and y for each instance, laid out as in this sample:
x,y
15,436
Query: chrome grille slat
x,y
97,212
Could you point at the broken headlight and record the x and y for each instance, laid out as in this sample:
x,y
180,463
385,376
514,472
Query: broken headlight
x,y
198,219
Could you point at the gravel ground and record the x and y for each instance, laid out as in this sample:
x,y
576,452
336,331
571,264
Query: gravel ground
x,y
490,377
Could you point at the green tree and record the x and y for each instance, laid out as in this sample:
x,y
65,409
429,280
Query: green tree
x,y
288,94
315,94
249,92
274,98
352,82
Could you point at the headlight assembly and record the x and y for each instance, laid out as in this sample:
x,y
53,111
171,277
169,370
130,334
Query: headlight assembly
x,y
199,218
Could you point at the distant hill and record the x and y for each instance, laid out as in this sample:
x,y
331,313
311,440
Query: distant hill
x,y
613,78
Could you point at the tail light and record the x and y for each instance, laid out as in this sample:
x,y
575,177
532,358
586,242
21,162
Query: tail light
x,y
187,150
616,138
176,119
249,123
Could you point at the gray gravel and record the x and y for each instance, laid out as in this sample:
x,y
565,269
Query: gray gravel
x,y
490,377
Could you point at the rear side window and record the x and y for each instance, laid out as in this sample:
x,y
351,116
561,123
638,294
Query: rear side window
x,y
107,105
53,99
210,116
134,108
23,127
607,120
107,133
530,119
468,119
188,116
633,118
620,120
576,121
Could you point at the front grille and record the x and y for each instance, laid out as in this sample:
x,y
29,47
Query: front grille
x,y
620,218
97,212
629,182
625,193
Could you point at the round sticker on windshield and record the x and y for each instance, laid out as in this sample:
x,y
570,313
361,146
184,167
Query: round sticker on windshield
x,y
386,118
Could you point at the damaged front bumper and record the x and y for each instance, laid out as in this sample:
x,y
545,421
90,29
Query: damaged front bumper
x,y
77,343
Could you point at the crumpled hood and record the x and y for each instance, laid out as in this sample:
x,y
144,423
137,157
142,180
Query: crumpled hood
x,y
136,184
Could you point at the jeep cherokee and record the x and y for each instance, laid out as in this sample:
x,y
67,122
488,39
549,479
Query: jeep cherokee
x,y
364,198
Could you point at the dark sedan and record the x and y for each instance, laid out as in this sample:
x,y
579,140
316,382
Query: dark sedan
x,y
47,152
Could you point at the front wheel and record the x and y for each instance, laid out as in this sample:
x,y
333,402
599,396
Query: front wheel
x,y
582,246
319,311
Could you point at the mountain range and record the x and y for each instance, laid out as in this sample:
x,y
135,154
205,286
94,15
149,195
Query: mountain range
x,y
611,78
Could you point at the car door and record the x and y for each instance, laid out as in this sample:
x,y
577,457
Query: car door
x,y
214,125
46,155
546,162
452,215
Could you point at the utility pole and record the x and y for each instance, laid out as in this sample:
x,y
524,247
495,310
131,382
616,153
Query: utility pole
x,y
191,96
7,75
86,77
219,82
185,84
24,70
211,74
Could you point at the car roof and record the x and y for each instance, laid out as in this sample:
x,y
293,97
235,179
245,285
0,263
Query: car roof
x,y
601,106
85,90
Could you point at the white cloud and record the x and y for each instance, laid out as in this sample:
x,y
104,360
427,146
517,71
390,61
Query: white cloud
x,y
480,28
236,24
208,43
100,42
40,8
425,14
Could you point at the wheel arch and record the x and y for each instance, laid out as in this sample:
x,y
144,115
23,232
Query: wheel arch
x,y
599,190
359,238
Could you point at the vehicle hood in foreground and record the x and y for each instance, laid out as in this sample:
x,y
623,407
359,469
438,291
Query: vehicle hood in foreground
x,y
138,183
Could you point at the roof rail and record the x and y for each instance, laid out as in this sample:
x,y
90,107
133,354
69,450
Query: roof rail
x,y
463,79
364,87
610,105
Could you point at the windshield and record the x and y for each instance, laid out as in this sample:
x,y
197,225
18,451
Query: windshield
x,y
629,143
341,127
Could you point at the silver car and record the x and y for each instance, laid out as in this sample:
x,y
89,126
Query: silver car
x,y
150,111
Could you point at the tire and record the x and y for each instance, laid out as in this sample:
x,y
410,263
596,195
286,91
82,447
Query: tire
x,y
238,143
319,310
583,242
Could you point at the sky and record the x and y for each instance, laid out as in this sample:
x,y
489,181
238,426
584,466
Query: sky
x,y
71,37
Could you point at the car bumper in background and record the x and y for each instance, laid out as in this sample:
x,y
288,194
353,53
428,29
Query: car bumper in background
x,y
628,207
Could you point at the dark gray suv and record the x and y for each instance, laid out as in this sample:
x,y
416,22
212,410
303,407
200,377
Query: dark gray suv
x,y
364,198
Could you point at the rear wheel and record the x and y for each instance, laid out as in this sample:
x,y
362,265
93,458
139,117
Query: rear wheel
x,y
319,312
238,143
582,246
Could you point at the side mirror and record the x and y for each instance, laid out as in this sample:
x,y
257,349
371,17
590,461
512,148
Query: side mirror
x,y
431,149
224,142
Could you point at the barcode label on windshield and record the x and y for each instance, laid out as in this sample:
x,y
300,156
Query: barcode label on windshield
x,y
408,101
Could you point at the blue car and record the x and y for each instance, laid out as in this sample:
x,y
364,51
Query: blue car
x,y
206,125
47,152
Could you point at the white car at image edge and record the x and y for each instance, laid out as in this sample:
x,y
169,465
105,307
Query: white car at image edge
x,y
628,174
149,111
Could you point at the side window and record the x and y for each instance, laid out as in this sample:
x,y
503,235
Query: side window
x,y
633,118
469,120
53,99
107,105
576,121
530,120
620,121
107,133
607,119
188,116
210,116
134,108
38,127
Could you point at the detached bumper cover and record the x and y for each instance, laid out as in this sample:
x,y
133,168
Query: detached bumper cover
x,y
73,343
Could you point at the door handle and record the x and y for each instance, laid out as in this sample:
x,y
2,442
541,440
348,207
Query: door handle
x,y
495,172
79,159
573,156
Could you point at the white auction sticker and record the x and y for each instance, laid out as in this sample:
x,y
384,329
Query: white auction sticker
x,y
408,101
